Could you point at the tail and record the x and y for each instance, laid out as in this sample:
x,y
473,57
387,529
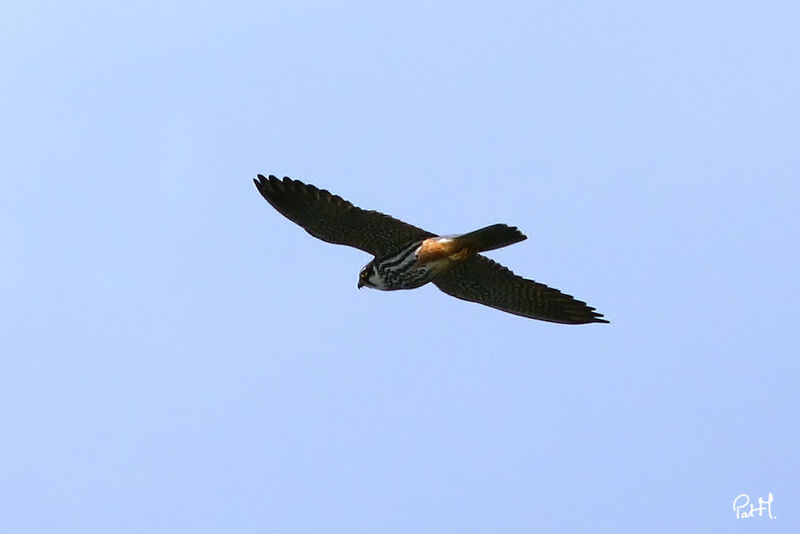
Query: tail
x,y
491,237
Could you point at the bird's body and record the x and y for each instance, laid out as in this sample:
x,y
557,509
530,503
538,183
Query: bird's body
x,y
407,257
422,261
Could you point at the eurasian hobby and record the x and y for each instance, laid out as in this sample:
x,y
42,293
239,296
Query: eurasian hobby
x,y
407,257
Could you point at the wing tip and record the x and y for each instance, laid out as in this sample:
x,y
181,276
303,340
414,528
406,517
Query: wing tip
x,y
261,181
583,315
271,184
277,190
579,312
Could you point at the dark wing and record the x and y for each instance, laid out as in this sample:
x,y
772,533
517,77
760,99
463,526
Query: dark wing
x,y
482,280
335,220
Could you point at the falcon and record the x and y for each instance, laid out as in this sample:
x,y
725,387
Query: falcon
x,y
407,257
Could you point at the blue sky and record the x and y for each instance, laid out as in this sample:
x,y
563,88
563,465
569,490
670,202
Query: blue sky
x,y
178,357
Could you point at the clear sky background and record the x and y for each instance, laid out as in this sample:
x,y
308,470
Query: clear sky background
x,y
178,357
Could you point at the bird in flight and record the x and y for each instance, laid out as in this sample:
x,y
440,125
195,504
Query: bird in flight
x,y
408,257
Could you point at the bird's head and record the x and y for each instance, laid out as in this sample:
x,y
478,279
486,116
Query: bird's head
x,y
369,277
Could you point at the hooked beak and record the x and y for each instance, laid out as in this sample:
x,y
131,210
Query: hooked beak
x,y
360,285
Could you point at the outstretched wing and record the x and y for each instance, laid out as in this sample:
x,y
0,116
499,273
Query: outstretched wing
x,y
482,280
335,220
